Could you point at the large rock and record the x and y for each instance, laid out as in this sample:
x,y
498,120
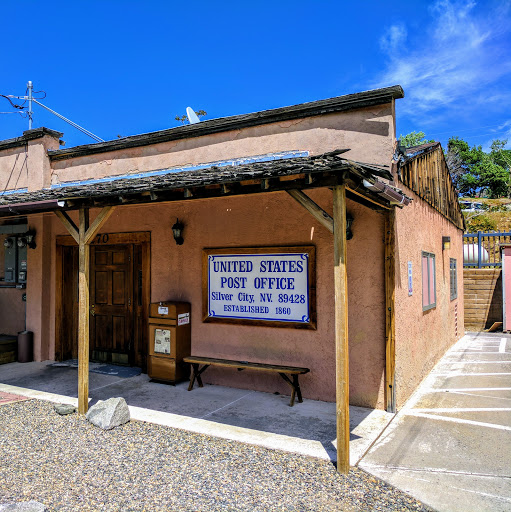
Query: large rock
x,y
24,506
109,414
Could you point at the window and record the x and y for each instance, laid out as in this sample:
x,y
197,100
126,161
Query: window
x,y
428,281
453,278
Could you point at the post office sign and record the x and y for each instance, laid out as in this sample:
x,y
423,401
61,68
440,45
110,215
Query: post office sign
x,y
265,285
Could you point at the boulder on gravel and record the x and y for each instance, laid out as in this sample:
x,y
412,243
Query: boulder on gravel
x,y
109,414
24,506
64,409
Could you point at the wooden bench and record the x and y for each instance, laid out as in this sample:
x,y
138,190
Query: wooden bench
x,y
288,373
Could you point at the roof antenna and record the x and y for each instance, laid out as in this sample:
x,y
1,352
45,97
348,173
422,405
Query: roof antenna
x,y
30,112
192,116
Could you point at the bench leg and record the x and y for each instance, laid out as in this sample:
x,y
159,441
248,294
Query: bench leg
x,y
295,387
196,374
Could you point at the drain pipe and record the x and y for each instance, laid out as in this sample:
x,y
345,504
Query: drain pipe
x,y
34,206
387,192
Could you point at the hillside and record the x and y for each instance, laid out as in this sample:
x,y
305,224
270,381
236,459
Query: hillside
x,y
491,215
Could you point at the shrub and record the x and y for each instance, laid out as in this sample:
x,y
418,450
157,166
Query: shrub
x,y
480,223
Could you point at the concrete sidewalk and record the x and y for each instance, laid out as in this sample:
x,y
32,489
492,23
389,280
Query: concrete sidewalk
x,y
450,445
262,419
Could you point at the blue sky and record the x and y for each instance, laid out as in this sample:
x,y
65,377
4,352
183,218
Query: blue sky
x,y
124,68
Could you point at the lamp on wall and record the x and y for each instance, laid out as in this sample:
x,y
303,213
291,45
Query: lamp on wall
x,y
349,222
27,240
177,230
446,243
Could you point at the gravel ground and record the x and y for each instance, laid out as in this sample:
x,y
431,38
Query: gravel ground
x,y
70,465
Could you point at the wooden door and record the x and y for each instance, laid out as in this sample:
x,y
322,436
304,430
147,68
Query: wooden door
x,y
111,303
68,332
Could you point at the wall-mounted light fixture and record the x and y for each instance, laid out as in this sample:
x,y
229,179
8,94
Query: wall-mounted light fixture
x,y
446,243
349,222
9,243
177,230
27,240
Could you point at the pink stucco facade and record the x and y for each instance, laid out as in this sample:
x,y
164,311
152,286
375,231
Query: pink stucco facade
x,y
269,219
176,274
423,337
506,287
368,133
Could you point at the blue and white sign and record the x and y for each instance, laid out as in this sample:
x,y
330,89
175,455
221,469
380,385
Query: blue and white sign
x,y
259,286
410,280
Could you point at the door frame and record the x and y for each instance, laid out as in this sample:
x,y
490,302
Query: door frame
x,y
140,238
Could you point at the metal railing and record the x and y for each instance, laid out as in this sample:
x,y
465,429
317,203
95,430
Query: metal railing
x,y
482,249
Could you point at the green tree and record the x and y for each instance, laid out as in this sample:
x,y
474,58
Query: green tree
x,y
413,139
477,172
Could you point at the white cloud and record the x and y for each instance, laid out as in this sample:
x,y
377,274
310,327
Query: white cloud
x,y
455,58
393,38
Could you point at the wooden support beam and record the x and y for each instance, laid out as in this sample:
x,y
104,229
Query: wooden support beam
x,y
381,204
83,317
102,217
265,184
390,317
83,236
341,330
316,211
188,193
69,224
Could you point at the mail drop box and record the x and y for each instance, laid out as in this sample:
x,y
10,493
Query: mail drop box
x,y
169,341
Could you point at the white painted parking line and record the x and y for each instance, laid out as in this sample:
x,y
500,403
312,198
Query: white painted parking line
x,y
500,498
475,350
474,362
502,346
475,395
463,409
467,389
459,373
455,420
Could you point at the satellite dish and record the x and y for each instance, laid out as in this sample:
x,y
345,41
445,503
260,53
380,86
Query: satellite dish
x,y
192,116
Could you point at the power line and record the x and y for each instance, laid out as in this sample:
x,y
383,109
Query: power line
x,y
31,99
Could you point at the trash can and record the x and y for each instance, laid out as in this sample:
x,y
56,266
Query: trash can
x,y
25,347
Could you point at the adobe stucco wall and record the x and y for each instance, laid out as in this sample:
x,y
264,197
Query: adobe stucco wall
x,y
27,166
368,133
262,220
422,337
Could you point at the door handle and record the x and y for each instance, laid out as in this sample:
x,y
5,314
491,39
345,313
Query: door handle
x,y
93,311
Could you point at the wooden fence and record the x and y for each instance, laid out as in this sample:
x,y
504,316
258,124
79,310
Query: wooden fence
x,y
482,249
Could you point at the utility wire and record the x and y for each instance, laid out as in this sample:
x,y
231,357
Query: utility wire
x,y
77,126
22,108
25,162
10,175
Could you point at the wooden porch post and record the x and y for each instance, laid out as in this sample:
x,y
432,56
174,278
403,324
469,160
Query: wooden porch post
x,y
83,235
390,323
341,330
83,314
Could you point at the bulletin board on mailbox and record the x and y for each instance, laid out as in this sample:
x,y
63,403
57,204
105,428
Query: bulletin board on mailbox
x,y
270,286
